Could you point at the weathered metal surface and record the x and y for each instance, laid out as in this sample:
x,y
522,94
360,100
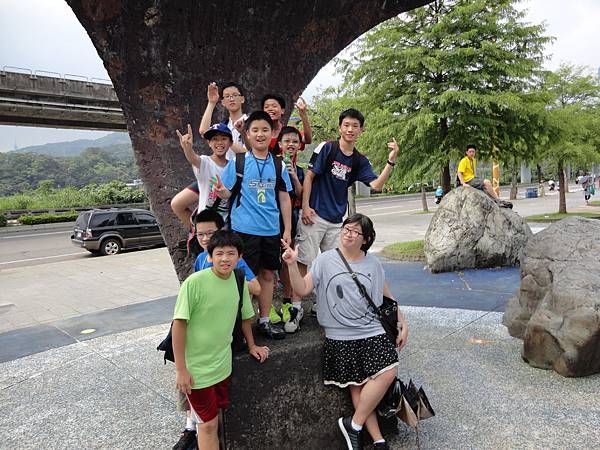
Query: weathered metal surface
x,y
161,55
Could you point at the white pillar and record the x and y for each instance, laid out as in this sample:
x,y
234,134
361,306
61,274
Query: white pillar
x,y
525,173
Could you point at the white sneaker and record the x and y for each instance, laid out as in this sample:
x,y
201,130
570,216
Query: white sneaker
x,y
293,324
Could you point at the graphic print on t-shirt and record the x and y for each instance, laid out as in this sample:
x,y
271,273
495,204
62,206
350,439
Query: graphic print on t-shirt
x,y
340,171
341,296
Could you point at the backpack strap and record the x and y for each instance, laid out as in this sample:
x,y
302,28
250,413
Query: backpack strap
x,y
240,163
279,183
335,148
240,277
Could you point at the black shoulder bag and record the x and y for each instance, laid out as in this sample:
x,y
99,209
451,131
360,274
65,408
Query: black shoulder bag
x,y
238,342
387,313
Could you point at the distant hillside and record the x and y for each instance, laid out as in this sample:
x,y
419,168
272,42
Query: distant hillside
x,y
75,148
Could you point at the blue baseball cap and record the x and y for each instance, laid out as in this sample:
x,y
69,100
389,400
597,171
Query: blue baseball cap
x,y
218,128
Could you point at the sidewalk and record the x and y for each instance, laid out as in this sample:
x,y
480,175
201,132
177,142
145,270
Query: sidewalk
x,y
114,392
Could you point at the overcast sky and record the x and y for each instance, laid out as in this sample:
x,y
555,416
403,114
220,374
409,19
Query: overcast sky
x,y
45,35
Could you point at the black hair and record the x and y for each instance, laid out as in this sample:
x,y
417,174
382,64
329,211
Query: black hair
x,y
366,225
353,114
235,85
258,115
208,215
289,130
278,98
471,146
225,238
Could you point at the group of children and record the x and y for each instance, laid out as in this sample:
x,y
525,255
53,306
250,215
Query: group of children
x,y
251,198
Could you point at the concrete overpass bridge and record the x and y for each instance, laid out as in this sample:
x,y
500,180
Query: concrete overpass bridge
x,y
53,100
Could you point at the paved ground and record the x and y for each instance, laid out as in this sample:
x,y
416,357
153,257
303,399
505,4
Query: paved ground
x,y
78,362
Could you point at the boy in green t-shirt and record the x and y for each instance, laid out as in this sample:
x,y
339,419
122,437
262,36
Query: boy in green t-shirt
x,y
203,322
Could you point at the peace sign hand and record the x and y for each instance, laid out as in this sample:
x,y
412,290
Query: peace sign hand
x,y
217,184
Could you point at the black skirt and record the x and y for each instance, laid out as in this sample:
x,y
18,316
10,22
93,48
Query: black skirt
x,y
357,361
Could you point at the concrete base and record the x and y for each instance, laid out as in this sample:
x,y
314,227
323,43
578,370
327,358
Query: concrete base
x,y
284,403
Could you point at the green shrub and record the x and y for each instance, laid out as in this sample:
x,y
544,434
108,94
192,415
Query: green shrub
x,y
3,220
29,219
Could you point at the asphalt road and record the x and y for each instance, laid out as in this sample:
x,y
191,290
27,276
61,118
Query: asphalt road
x,y
397,216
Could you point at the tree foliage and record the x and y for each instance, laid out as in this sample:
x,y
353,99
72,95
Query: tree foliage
x,y
449,74
20,172
573,113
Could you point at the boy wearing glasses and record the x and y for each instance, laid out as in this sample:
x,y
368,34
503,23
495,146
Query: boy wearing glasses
x,y
233,101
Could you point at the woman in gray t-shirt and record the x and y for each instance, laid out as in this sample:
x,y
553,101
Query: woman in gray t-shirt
x,y
357,353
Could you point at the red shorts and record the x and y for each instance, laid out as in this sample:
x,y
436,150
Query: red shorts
x,y
206,402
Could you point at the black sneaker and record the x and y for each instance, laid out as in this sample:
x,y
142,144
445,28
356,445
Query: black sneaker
x,y
271,331
352,437
187,441
381,446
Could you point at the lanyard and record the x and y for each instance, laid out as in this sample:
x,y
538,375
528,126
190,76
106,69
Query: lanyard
x,y
258,165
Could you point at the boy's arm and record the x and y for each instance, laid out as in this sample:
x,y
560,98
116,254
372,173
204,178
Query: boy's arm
x,y
302,112
254,287
294,179
285,205
187,143
260,353
213,97
183,379
301,286
307,212
378,183
238,148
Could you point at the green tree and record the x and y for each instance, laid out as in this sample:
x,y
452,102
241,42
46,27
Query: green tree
x,y
573,119
445,75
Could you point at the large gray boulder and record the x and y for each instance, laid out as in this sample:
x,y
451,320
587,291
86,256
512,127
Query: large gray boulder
x,y
557,308
469,230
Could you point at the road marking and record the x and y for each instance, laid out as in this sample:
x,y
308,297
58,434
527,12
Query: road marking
x,y
42,257
385,207
396,212
38,234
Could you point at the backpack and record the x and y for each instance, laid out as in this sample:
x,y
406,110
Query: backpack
x,y
236,190
335,147
238,342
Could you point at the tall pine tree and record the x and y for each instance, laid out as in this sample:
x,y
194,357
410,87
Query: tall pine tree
x,y
448,74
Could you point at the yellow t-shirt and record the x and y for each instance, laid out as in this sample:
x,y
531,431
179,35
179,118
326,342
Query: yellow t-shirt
x,y
467,168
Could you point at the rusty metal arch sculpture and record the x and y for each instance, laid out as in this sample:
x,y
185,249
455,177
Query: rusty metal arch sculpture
x,y
161,55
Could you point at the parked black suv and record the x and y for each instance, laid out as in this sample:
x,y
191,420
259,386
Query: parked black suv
x,y
107,231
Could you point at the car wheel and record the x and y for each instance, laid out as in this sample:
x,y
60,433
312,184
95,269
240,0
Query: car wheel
x,y
110,247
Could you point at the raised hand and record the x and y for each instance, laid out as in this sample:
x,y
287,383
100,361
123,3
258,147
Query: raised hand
x,y
239,124
301,106
289,255
394,153
186,140
213,93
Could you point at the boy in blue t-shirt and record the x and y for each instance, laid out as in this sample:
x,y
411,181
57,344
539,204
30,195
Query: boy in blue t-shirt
x,y
206,223
255,211
325,196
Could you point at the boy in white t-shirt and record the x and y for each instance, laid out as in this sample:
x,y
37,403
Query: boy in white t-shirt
x,y
205,169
